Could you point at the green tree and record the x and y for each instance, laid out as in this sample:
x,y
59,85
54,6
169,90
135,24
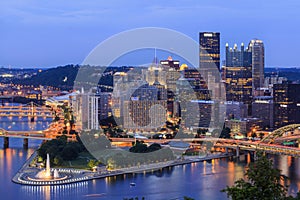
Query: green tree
x,y
69,152
154,147
39,159
93,163
262,182
139,147
187,198
58,160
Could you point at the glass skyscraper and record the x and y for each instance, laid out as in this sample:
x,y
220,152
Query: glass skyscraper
x,y
237,74
209,50
258,62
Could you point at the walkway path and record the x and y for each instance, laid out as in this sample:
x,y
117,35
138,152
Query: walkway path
x,y
85,175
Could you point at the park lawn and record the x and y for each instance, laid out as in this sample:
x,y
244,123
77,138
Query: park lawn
x,y
79,163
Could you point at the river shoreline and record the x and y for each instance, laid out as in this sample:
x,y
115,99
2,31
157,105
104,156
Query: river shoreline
x,y
77,175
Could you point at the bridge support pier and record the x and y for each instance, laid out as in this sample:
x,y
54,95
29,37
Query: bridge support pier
x,y
237,151
25,143
6,142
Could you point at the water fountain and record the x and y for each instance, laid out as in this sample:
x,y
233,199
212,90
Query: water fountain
x,y
46,174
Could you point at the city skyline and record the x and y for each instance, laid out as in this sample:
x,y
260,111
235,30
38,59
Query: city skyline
x,y
52,34
118,99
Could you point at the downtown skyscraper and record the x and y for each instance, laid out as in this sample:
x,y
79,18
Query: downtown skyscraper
x,y
286,104
209,49
209,67
258,63
237,74
209,60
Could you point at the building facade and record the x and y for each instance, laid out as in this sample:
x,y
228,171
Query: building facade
x,y
258,62
263,110
286,104
237,74
104,105
146,110
209,50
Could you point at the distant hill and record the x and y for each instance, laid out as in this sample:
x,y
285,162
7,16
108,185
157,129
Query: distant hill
x,y
8,74
63,77
292,74
60,77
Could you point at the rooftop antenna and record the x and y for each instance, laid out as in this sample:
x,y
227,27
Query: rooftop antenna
x,y
172,52
155,56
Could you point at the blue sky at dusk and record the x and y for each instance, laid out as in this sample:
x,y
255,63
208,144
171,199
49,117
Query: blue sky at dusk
x,y
37,33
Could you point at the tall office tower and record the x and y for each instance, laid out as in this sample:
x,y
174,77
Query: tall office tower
x,y
209,50
286,104
258,62
209,67
169,75
193,98
197,83
237,74
209,58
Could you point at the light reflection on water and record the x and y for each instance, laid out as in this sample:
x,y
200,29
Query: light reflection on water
x,y
201,180
204,179
55,192
24,124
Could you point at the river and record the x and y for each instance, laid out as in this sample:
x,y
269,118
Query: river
x,y
202,180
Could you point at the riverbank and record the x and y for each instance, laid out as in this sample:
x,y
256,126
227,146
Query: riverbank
x,y
76,175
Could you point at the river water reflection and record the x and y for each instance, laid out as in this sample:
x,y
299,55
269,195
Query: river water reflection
x,y
201,180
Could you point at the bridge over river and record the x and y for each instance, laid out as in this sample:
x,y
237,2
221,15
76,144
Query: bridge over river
x,y
29,110
32,111
268,144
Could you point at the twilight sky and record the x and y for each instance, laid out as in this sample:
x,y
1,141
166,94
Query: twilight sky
x,y
40,33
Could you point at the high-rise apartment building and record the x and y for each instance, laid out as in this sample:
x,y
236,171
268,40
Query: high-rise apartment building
x,y
85,107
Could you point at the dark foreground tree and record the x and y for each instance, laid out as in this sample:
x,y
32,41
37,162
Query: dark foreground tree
x,y
263,183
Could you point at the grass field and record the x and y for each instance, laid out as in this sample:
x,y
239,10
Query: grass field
x,y
80,162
